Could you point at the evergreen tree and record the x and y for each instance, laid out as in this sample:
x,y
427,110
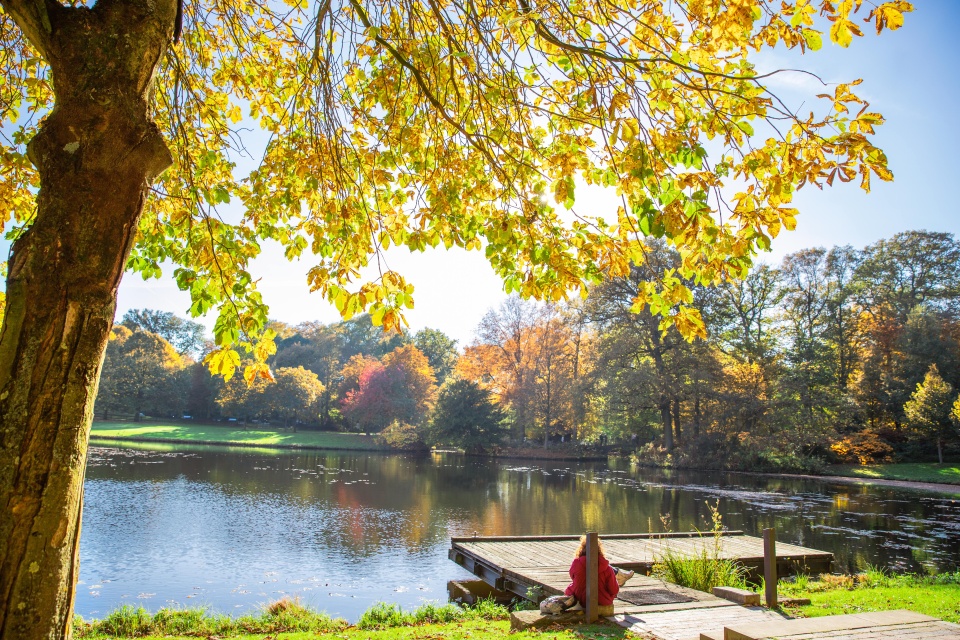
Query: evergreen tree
x,y
466,417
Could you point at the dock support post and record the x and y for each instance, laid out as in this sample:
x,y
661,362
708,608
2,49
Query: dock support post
x,y
770,566
593,577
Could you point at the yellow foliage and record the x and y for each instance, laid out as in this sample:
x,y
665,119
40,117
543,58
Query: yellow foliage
x,y
426,124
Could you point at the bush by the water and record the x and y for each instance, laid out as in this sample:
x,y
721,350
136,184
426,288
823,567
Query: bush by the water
x,y
384,615
715,453
705,569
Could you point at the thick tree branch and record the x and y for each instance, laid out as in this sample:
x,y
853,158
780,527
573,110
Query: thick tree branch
x,y
33,18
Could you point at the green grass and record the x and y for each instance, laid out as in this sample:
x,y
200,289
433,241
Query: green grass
x,y
472,630
134,622
486,621
916,471
259,436
937,596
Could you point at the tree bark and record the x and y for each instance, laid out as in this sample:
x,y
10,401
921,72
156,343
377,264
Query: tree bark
x,y
666,421
96,153
677,436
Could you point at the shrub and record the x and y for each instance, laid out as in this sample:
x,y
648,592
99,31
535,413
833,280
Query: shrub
x,y
865,447
706,569
702,572
402,436
383,616
127,621
488,609
432,613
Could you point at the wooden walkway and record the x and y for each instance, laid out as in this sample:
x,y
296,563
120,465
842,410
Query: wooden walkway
x,y
520,563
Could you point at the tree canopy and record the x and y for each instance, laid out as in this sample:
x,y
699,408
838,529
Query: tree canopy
x,y
422,124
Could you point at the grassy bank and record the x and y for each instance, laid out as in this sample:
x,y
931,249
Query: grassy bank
x,y
937,596
486,621
254,436
914,472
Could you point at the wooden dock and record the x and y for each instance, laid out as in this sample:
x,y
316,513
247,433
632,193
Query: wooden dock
x,y
519,564
535,566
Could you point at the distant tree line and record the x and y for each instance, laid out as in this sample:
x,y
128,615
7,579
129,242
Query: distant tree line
x,y
836,354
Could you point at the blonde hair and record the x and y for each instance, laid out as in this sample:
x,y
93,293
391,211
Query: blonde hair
x,y
582,549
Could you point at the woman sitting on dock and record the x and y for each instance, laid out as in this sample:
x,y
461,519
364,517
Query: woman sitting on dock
x,y
611,579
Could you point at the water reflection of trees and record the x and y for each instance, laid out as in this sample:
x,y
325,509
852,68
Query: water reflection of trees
x,y
362,505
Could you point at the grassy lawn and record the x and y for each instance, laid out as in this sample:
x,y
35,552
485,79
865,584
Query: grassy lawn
x,y
474,630
917,472
486,621
254,436
937,596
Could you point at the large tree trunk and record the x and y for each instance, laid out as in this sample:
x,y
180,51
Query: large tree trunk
x,y
96,153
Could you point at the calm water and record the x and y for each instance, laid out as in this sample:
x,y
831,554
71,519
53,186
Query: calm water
x,y
232,529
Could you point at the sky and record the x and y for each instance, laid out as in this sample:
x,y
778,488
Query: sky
x,y
911,76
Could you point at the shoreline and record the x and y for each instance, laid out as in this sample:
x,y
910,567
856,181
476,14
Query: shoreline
x,y
510,455
527,454
940,487
235,443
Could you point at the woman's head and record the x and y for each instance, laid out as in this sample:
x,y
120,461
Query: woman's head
x,y
582,549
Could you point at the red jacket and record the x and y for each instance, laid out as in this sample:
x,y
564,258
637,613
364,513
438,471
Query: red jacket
x,y
608,587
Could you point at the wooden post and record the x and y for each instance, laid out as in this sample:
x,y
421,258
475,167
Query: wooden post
x,y
770,566
593,577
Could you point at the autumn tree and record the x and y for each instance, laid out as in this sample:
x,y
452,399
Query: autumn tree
x,y
349,377
186,336
400,388
294,394
316,347
929,408
552,374
141,374
509,331
384,122
484,364
238,399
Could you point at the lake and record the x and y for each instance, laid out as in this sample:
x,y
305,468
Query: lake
x,y
231,529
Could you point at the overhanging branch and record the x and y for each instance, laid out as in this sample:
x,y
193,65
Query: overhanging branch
x,y
33,18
